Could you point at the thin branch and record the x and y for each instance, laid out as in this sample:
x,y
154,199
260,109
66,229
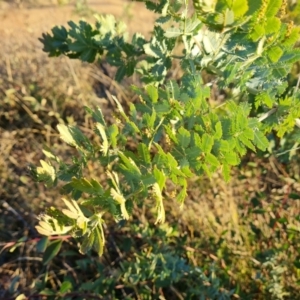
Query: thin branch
x,y
267,114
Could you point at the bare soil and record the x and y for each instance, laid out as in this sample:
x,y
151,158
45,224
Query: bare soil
x,y
29,22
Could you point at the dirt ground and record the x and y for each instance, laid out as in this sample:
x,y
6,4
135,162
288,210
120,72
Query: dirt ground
x,y
28,21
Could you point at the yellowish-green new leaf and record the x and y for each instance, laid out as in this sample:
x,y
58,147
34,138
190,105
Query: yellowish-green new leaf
x,y
273,25
226,172
114,178
104,147
87,242
274,53
121,200
49,154
152,93
66,135
72,206
159,204
49,226
239,8
47,171
160,177
44,228
70,214
99,240
74,212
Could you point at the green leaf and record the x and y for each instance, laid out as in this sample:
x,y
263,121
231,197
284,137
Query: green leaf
x,y
174,90
121,72
148,179
273,8
66,286
171,133
183,191
152,93
273,25
51,251
112,134
191,25
228,17
223,146
124,115
48,292
172,162
96,114
263,99
232,158
173,32
149,120
246,141
184,137
130,66
260,141
193,154
42,244
160,177
218,130
162,107
99,240
239,8
73,136
274,53
240,147
144,154
88,55
226,172
88,242
130,165
86,186
258,32
211,159
207,143
290,57
49,154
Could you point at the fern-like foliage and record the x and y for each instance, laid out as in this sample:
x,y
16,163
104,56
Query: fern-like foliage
x,y
177,133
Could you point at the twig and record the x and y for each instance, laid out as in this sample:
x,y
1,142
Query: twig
x,y
267,114
180,297
284,152
35,240
69,268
